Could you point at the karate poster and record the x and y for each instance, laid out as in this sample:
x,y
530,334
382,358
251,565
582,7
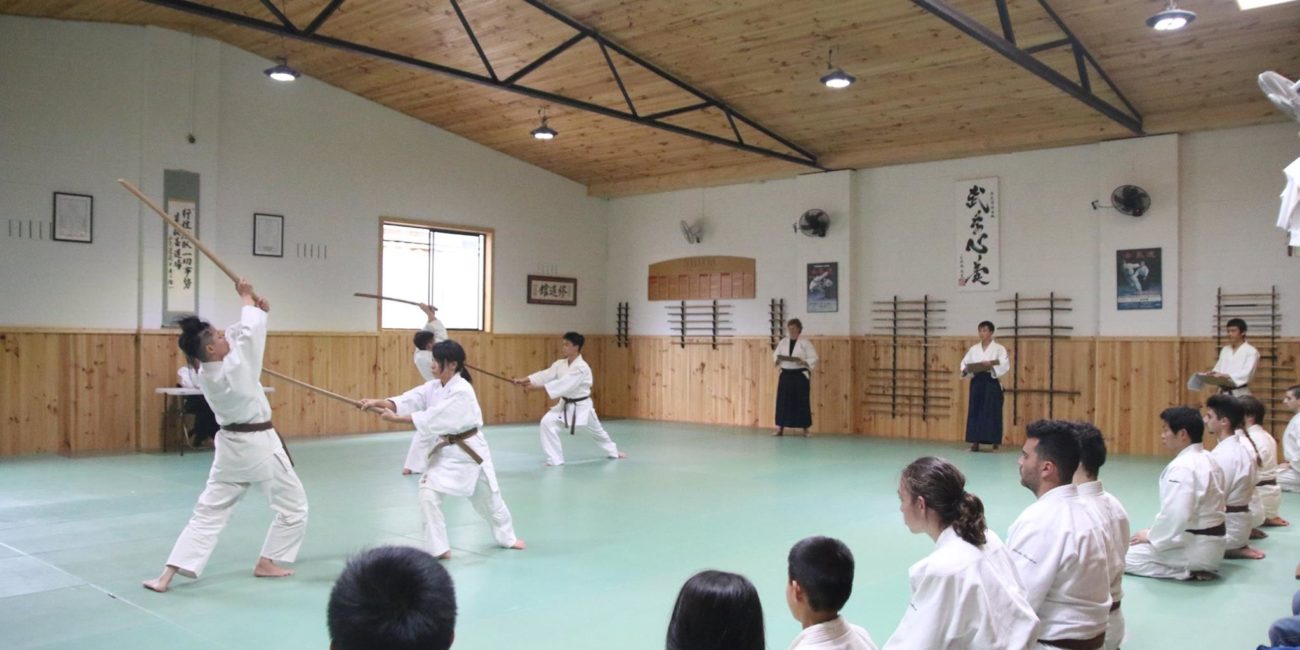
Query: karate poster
x,y
823,287
977,214
1138,279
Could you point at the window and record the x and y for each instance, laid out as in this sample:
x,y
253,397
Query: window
x,y
438,265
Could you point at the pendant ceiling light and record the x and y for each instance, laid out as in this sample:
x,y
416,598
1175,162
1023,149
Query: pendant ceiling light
x,y
544,132
835,77
281,71
1170,19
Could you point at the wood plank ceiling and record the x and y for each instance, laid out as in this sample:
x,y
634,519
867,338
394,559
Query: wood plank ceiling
x,y
925,90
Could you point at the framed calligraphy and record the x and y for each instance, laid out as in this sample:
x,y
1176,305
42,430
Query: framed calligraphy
x,y
978,212
547,290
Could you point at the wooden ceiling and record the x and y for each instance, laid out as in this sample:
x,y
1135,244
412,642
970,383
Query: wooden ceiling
x,y
925,90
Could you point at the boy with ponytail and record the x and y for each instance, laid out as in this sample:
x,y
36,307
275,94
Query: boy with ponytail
x,y
249,451
1108,511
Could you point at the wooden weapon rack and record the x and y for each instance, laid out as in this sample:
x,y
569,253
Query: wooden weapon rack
x,y
776,321
620,326
901,388
1026,323
1263,317
700,321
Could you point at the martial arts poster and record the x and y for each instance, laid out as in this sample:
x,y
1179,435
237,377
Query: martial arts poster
x,y
978,248
1137,279
823,287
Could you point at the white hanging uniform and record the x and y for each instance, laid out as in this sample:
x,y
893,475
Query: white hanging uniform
x,y
1288,478
1238,364
441,414
1188,533
966,598
835,634
1268,496
571,384
1288,217
1059,550
233,389
417,455
1114,520
1234,456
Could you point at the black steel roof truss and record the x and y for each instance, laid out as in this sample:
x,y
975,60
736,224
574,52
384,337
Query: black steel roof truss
x,y
1128,117
311,35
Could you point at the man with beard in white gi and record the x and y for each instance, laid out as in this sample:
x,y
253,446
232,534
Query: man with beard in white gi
x,y
447,417
248,450
1288,471
1235,454
1114,520
568,380
1237,359
417,455
1268,496
1059,549
1187,540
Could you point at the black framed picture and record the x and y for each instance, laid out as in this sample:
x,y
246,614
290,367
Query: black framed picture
x,y
74,217
268,235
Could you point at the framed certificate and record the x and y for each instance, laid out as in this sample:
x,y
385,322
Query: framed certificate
x,y
74,217
268,235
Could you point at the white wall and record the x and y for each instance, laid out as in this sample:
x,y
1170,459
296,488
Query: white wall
x,y
331,162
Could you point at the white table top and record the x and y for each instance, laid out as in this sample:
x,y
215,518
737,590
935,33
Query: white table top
x,y
185,392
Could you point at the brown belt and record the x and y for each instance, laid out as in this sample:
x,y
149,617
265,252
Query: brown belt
x,y
251,427
1076,644
1267,481
1212,531
573,423
1236,509
457,439
1114,606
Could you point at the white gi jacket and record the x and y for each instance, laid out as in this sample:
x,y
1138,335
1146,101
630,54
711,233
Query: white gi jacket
x,y
803,348
568,380
965,598
186,377
449,409
1289,477
423,358
835,634
1238,364
995,352
233,389
1288,217
1110,513
1192,497
1060,553
1266,470
1237,459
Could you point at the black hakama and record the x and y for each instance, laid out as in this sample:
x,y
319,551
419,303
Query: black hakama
x,y
793,405
984,417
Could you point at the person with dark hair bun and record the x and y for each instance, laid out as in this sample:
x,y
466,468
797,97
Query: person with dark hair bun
x,y
1186,542
716,610
392,598
1268,496
568,380
967,594
1058,548
447,418
1110,512
985,363
417,455
249,451
1237,360
1236,454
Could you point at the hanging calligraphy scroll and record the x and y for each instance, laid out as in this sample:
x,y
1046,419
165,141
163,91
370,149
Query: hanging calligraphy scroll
x,y
978,246
180,258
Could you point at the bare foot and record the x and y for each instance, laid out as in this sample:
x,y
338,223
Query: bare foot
x,y
162,582
406,472
779,432
1256,533
1204,576
550,464
806,434
445,556
1243,553
975,447
518,545
620,456
266,568
1276,521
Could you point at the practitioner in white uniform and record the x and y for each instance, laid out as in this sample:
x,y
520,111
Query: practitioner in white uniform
x,y
1268,496
1237,359
1114,519
819,582
417,455
248,450
1058,548
447,417
1236,455
568,380
1288,471
1187,540
967,594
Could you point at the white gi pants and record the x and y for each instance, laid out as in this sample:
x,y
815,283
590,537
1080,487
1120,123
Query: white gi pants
x,y
1270,496
1288,479
1115,628
1202,553
1239,525
487,503
553,425
283,491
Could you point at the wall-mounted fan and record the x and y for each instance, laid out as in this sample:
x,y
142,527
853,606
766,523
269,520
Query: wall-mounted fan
x,y
1127,199
813,223
1284,93
694,233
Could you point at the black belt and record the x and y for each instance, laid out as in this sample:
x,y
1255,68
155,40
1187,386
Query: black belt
x,y
1237,509
1267,481
1076,644
251,427
1114,606
564,414
1225,389
457,439
1213,531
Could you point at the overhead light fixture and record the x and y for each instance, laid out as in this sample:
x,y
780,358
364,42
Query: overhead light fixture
x,y
544,132
281,71
835,77
1170,19
1256,4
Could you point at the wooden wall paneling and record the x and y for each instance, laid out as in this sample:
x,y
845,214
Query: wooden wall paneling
x,y
100,395
1135,380
833,384
30,393
159,361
